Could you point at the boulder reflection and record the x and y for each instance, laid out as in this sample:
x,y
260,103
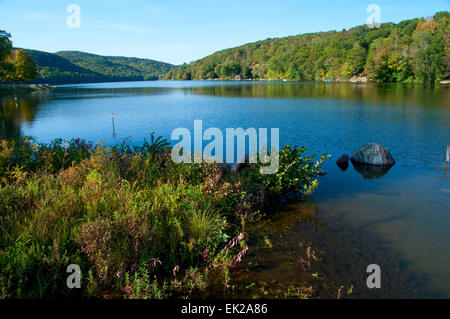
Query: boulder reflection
x,y
371,171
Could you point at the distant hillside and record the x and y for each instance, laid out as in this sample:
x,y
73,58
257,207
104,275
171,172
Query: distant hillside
x,y
68,67
54,69
122,68
416,50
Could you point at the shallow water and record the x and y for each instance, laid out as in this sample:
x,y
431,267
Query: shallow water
x,y
342,255
403,216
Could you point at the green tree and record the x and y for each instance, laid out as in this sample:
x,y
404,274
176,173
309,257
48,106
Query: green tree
x,y
25,68
430,43
259,71
5,52
7,71
5,45
356,58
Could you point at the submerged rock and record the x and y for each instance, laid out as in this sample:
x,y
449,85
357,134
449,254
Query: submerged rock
x,y
373,154
342,162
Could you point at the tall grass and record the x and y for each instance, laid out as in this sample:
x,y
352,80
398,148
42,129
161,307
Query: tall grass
x,y
128,216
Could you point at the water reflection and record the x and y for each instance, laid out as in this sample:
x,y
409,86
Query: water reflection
x,y
16,110
371,171
429,96
342,162
89,92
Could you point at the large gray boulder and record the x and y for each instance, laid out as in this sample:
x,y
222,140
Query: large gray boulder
x,y
373,154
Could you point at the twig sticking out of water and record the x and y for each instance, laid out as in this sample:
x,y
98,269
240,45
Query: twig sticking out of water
x,y
447,159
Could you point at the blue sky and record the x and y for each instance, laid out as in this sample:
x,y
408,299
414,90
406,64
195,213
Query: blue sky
x,y
178,31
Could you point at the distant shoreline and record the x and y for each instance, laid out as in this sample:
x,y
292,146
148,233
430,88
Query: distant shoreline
x,y
40,86
33,87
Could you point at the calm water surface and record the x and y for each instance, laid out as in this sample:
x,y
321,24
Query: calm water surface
x,y
405,213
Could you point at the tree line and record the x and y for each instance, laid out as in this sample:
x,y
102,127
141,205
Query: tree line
x,y
117,67
15,65
64,67
415,50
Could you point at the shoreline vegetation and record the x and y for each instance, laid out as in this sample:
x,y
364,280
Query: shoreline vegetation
x,y
25,87
137,224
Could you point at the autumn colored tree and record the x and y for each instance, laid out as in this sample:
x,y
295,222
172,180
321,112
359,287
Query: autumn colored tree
x,y
25,68
14,65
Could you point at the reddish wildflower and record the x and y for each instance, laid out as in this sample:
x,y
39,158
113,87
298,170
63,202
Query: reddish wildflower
x,y
153,262
308,291
128,290
205,255
308,254
302,263
175,270
237,259
235,241
339,292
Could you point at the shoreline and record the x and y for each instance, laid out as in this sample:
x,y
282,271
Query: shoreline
x,y
25,87
34,87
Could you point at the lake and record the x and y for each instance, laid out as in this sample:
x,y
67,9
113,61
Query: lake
x,y
399,220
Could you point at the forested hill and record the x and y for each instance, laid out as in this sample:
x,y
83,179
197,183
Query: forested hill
x,y
414,50
67,67
118,67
